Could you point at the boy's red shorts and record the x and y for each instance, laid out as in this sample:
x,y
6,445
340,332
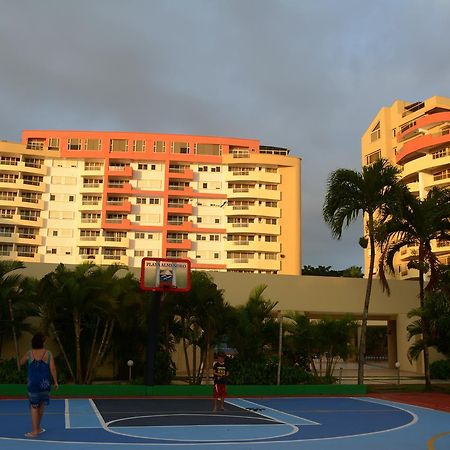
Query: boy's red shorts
x,y
220,390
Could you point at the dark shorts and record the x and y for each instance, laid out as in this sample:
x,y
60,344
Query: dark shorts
x,y
220,390
39,398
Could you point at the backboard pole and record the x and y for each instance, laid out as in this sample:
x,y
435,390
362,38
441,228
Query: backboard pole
x,y
153,321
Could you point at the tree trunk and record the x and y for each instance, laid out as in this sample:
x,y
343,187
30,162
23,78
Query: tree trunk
x,y
186,358
362,341
16,345
425,327
77,330
63,352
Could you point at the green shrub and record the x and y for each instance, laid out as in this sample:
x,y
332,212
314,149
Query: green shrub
x,y
264,371
440,370
9,373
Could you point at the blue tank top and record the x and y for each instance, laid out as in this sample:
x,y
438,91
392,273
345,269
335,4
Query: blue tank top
x,y
39,377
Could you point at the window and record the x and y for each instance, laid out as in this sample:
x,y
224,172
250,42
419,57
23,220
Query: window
x,y
201,237
216,255
142,166
372,157
71,198
270,239
118,145
376,133
271,204
139,235
150,236
159,146
214,237
441,153
52,197
139,253
141,200
215,169
93,144
153,201
139,146
208,149
180,147
35,143
153,167
53,144
73,144
203,168
205,185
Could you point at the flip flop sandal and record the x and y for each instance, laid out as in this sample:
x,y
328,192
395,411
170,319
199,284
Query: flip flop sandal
x,y
42,431
30,435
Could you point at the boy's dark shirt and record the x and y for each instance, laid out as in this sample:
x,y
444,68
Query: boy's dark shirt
x,y
221,369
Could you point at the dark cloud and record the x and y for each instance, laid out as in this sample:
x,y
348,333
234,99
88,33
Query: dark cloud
x,y
309,75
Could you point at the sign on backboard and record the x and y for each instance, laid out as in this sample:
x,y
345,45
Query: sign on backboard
x,y
166,274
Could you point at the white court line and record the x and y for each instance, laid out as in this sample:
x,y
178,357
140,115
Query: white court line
x,y
278,415
66,414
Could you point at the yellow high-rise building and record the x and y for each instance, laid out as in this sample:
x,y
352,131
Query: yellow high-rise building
x,y
227,204
416,138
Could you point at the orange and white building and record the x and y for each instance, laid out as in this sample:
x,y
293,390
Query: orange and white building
x,y
227,204
416,138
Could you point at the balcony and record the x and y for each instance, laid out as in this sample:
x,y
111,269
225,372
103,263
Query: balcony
x,y
28,239
253,175
29,185
124,206
425,122
253,211
32,168
253,246
29,221
116,224
124,188
120,171
179,244
253,193
186,225
113,241
180,191
254,264
91,188
90,222
185,209
421,145
256,228
181,174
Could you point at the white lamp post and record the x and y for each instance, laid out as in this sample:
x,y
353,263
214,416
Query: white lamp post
x,y
130,364
397,366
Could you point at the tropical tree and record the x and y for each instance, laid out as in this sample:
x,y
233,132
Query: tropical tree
x,y
200,315
78,308
254,332
371,192
419,223
15,303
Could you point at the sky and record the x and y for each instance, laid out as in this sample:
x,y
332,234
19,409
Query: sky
x,y
308,75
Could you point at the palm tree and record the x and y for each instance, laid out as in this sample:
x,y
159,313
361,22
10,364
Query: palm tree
x,y
370,192
15,296
78,309
420,222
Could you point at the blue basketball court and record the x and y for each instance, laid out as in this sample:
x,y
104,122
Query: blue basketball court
x,y
325,423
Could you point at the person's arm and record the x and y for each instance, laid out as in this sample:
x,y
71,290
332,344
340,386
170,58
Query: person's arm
x,y
53,372
24,358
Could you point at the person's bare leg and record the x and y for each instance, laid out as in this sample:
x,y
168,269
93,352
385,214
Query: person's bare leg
x,y
215,404
35,420
41,414
221,404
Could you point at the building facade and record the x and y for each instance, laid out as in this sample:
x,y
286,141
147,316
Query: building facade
x,y
416,138
227,204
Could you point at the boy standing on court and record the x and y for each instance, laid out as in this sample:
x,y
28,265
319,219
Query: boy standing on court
x,y
220,381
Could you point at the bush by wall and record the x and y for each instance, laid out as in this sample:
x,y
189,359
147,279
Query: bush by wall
x,y
440,370
9,373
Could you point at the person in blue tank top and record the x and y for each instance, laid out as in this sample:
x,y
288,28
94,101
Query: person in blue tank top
x,y
41,370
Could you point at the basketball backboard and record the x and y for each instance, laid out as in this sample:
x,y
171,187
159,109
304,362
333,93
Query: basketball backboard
x,y
166,274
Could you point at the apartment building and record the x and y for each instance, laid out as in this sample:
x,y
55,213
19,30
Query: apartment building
x,y
416,137
227,204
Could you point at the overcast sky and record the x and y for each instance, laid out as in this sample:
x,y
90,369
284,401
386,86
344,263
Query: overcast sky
x,y
305,74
